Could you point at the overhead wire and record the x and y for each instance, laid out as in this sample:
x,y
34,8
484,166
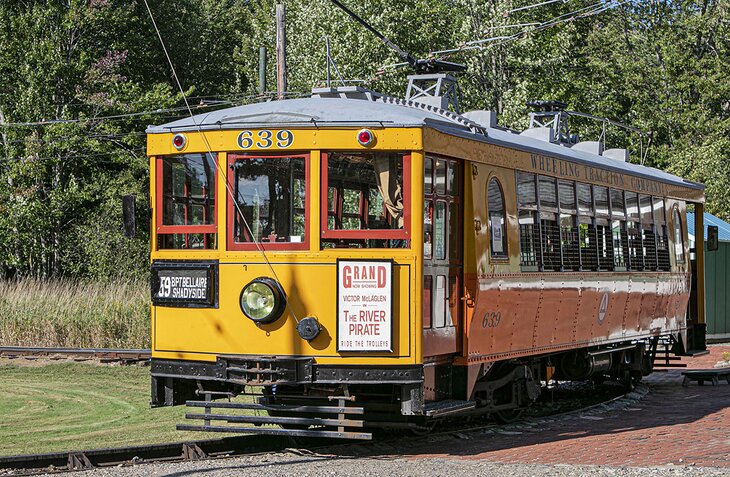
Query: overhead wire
x,y
514,25
113,137
31,158
527,7
221,171
99,118
231,100
583,12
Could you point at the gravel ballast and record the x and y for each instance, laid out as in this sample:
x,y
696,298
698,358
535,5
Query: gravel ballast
x,y
293,464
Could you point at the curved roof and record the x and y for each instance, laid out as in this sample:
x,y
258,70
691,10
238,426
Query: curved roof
x,y
305,112
374,110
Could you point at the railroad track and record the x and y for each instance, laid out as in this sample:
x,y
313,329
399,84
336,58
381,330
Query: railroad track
x,y
256,444
170,452
192,450
78,354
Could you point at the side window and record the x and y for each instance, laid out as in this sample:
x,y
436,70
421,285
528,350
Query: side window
x,y
603,229
428,209
587,233
662,234
636,257
441,221
678,237
497,228
529,227
648,237
569,236
549,223
618,229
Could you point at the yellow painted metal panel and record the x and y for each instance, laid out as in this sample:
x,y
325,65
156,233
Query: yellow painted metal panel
x,y
153,208
417,246
195,333
315,189
221,198
304,139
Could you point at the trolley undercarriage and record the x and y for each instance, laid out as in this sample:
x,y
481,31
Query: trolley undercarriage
x,y
307,399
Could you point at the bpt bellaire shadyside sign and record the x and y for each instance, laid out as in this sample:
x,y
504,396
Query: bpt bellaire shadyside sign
x,y
364,305
187,284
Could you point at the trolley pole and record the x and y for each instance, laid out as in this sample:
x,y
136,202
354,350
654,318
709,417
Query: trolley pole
x,y
281,85
262,70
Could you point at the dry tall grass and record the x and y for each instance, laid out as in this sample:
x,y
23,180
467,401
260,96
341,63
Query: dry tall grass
x,y
64,313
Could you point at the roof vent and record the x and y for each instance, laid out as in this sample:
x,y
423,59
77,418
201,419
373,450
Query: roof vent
x,y
346,92
592,147
544,133
487,119
617,154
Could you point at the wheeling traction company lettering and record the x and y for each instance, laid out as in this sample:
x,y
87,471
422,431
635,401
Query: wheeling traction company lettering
x,y
570,170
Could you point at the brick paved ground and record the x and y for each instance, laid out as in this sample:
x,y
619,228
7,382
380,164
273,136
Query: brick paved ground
x,y
671,428
672,425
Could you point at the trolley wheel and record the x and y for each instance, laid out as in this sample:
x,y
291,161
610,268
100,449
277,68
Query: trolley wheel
x,y
508,416
627,381
423,429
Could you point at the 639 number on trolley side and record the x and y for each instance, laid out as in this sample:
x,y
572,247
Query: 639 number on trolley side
x,y
265,139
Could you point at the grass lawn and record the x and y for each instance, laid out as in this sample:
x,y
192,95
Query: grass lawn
x,y
79,406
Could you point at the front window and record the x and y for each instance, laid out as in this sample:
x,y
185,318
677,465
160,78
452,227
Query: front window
x,y
365,201
270,208
186,212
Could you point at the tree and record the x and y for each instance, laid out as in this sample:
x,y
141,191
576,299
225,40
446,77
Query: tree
x,y
82,62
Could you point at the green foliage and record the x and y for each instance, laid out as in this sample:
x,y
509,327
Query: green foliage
x,y
73,64
660,66
417,26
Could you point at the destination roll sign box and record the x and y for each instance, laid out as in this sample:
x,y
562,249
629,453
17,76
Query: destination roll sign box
x,y
364,305
186,284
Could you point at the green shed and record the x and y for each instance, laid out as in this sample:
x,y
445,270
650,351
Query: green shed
x,y
717,277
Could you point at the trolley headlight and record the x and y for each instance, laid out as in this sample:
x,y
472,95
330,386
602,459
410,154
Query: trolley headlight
x,y
263,300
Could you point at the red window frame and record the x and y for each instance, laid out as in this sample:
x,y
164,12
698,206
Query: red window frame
x,y
404,233
183,229
267,246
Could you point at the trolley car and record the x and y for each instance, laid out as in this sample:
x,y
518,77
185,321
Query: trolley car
x,y
360,261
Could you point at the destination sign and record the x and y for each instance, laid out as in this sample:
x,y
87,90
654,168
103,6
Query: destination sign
x,y
177,284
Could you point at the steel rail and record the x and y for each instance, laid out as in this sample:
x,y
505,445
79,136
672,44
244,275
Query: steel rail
x,y
169,452
104,354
